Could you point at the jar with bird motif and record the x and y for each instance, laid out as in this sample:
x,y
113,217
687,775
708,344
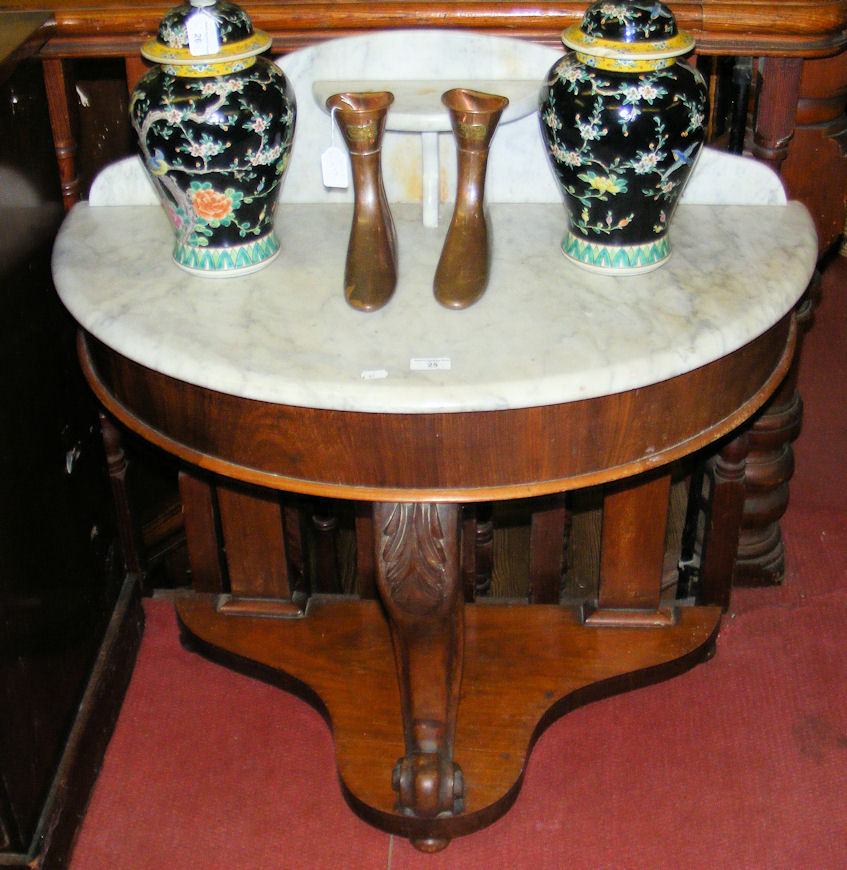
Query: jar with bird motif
x,y
215,122
623,119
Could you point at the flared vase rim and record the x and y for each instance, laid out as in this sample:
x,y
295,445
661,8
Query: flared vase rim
x,y
368,101
473,102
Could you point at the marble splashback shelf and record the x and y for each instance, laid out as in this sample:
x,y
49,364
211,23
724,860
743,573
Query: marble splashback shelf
x,y
417,106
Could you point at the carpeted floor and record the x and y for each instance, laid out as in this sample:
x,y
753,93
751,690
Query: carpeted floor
x,y
740,763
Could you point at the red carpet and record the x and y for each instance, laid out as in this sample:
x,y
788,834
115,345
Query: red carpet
x,y
740,763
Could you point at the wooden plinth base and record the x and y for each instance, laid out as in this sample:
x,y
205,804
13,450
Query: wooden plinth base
x,y
524,666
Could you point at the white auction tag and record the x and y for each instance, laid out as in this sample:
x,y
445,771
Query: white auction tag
x,y
202,34
334,160
334,167
374,374
429,363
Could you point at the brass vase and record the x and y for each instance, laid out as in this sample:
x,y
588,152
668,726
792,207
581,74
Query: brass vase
x,y
462,273
370,274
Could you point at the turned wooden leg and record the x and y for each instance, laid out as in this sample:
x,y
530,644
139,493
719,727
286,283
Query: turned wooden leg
x,y
800,121
770,462
477,556
779,92
117,466
419,579
770,465
483,546
467,558
632,554
61,104
325,538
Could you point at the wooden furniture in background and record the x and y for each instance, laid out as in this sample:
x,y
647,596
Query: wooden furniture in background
x,y
782,35
813,164
800,49
70,618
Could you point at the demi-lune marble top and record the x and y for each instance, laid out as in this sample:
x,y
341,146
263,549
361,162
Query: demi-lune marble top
x,y
545,332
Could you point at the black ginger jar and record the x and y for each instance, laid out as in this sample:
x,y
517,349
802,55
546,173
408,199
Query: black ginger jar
x,y
215,123
623,119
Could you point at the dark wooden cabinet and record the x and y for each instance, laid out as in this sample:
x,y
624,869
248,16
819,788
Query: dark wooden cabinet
x,y
64,661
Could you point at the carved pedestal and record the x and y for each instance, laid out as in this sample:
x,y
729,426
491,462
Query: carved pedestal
x,y
420,583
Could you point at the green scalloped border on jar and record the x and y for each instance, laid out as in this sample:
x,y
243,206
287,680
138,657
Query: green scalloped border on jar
x,y
616,259
225,262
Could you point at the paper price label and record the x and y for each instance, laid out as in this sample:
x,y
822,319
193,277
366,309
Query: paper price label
x,y
202,34
429,363
334,167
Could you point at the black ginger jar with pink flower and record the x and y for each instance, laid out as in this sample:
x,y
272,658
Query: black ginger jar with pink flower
x,y
623,120
215,123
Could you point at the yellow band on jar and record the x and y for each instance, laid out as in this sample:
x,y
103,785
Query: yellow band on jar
x,y
158,52
609,49
622,64
206,70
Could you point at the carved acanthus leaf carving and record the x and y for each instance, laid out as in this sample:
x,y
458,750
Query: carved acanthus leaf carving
x,y
414,557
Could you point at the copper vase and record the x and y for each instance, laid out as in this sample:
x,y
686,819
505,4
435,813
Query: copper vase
x,y
370,274
462,273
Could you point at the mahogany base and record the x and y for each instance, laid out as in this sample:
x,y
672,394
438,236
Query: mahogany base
x,y
524,666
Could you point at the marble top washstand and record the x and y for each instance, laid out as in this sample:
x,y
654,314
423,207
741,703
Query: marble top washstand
x,y
545,332
449,415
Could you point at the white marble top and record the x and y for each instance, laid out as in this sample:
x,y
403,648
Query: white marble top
x,y
545,332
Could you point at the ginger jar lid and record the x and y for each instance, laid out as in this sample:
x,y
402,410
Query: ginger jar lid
x,y
627,36
205,31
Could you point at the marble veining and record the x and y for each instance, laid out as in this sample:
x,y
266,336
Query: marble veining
x,y
545,332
